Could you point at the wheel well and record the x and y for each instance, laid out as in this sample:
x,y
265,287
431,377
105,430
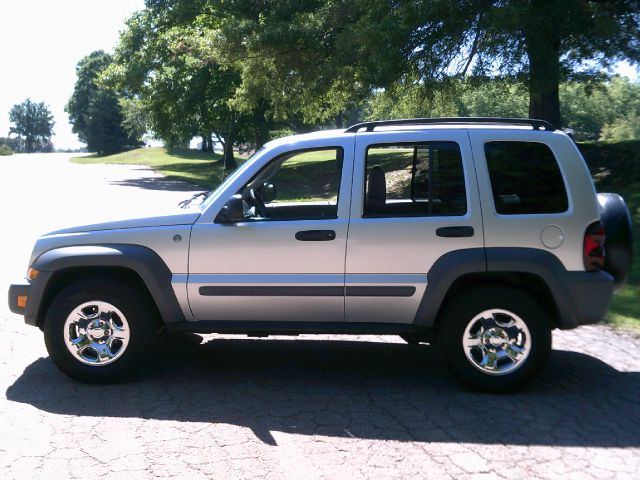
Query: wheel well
x,y
63,278
528,282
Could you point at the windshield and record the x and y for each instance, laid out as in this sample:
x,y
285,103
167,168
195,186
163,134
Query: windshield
x,y
227,181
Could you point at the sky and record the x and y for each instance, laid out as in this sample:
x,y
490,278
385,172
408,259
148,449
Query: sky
x,y
41,41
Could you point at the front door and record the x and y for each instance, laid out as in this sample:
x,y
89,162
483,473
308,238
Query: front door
x,y
285,261
414,199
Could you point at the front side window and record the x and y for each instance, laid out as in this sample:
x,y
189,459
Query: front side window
x,y
300,185
525,178
414,180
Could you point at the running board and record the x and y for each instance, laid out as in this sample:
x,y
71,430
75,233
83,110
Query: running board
x,y
294,328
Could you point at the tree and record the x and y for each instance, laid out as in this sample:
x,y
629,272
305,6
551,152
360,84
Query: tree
x,y
168,57
312,56
95,112
33,124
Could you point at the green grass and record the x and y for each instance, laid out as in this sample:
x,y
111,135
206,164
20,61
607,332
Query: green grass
x,y
615,168
201,168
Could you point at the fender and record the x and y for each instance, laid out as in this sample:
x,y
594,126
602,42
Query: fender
x,y
142,260
447,269
580,297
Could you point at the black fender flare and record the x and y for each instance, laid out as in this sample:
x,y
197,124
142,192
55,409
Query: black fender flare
x,y
146,263
579,297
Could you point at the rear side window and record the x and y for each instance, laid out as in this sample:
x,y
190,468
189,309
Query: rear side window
x,y
525,178
414,180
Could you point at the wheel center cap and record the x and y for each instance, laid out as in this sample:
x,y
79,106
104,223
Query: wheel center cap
x,y
495,337
98,329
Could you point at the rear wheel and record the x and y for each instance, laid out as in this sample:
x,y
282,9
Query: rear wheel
x,y
495,339
99,330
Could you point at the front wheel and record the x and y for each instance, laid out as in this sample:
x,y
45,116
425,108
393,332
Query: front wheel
x,y
495,339
99,330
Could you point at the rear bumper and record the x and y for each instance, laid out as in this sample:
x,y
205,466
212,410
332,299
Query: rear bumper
x,y
590,296
16,291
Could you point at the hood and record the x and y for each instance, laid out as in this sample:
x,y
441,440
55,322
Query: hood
x,y
187,218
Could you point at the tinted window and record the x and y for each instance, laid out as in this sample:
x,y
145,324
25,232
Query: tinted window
x,y
414,180
525,178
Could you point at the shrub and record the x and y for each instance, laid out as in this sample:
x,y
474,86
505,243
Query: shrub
x,y
5,150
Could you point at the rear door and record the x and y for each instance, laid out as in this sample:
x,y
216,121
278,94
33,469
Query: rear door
x,y
529,194
414,199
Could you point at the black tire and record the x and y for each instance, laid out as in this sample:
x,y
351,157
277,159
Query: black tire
x,y
139,316
459,313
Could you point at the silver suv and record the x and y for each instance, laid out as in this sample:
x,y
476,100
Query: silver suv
x,y
481,235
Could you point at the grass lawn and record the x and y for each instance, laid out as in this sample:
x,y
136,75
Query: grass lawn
x,y
615,168
201,168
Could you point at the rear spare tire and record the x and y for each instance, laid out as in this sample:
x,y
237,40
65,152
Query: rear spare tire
x,y
618,244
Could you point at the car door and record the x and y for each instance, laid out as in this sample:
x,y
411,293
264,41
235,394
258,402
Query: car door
x,y
414,199
285,261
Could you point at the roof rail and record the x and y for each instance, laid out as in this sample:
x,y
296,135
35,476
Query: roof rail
x,y
370,126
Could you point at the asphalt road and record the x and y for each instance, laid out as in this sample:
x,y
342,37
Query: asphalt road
x,y
311,407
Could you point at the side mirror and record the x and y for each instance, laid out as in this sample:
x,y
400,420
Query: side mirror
x,y
268,192
232,212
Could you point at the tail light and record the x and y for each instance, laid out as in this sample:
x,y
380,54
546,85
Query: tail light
x,y
593,249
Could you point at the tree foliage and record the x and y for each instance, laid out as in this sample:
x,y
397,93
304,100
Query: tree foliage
x,y
33,124
316,56
95,112
606,111
160,65
238,69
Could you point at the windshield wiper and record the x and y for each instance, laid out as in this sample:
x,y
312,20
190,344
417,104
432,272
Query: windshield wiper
x,y
188,201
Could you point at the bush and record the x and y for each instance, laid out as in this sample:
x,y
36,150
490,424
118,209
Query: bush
x,y
5,150
621,129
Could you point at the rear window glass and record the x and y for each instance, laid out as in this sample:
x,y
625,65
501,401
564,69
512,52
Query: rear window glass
x,y
525,178
414,180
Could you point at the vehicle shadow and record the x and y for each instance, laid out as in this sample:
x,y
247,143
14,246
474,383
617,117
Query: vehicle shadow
x,y
158,183
351,388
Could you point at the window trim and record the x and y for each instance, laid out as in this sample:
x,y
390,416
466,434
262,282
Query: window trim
x,y
418,144
527,215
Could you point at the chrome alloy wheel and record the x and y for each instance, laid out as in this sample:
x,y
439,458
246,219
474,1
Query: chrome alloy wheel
x,y
496,342
96,333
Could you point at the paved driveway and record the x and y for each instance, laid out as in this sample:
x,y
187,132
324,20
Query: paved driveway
x,y
312,407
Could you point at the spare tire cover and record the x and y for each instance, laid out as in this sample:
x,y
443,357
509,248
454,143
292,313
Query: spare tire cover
x,y
618,242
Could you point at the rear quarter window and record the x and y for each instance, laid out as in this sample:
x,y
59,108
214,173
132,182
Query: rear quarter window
x,y
525,178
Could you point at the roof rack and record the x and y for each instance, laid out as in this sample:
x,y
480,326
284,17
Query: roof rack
x,y
370,126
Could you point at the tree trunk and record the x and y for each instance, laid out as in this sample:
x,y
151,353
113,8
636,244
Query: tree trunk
x,y
209,142
205,144
260,138
543,49
228,159
340,120
29,141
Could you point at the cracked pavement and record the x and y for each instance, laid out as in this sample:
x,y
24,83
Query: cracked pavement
x,y
308,407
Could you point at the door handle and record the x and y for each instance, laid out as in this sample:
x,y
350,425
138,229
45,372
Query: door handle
x,y
316,235
450,232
